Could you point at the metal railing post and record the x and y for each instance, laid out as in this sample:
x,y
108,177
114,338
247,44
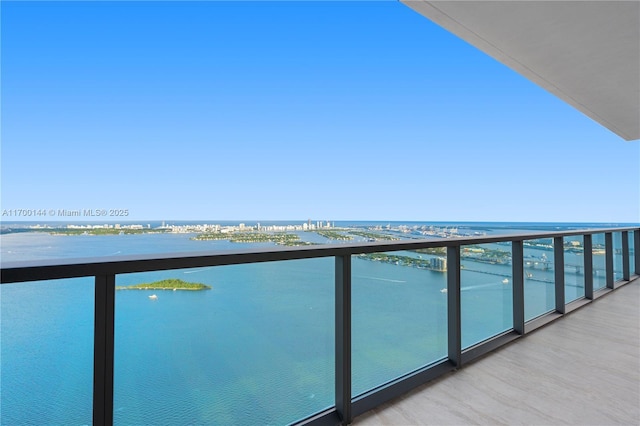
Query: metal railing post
x,y
636,250
558,264
626,270
454,326
608,247
103,346
588,266
517,264
343,338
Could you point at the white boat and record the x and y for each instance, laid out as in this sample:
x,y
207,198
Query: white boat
x,y
153,297
505,281
444,290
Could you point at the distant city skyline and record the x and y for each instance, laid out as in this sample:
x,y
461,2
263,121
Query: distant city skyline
x,y
284,111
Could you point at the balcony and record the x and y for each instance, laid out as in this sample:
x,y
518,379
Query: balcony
x,y
581,370
347,330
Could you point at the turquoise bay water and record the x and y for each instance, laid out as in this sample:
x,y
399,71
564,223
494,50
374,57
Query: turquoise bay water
x,y
256,349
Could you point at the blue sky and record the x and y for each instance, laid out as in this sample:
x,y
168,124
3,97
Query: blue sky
x,y
289,110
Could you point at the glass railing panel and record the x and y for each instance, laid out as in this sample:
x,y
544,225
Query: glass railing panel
x,y
573,268
399,314
46,350
256,348
486,291
617,256
539,278
599,262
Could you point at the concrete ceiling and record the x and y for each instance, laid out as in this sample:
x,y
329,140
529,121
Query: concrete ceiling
x,y
587,53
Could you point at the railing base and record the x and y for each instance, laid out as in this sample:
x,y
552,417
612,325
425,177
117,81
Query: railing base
x,y
541,321
400,386
477,351
576,304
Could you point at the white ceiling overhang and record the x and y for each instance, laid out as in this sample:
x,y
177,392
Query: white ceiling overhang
x,y
587,53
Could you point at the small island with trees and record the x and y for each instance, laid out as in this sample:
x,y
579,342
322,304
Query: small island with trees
x,y
333,235
280,238
101,231
374,236
169,284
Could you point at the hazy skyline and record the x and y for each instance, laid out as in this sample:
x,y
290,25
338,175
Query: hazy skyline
x,y
285,111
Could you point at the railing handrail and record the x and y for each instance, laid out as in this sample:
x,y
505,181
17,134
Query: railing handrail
x,y
47,269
